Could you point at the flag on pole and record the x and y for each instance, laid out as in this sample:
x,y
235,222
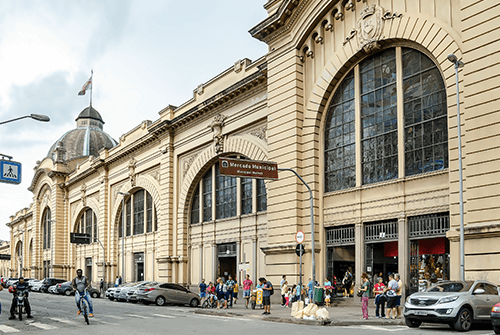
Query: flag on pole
x,y
86,86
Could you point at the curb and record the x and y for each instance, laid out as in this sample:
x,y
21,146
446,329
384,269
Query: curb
x,y
329,322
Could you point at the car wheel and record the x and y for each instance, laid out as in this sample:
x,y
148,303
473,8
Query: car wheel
x,y
67,293
464,320
496,329
133,301
94,295
412,323
194,302
160,301
110,298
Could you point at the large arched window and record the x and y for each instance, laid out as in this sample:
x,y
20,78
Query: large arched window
x,y
380,79
87,224
229,202
140,214
46,228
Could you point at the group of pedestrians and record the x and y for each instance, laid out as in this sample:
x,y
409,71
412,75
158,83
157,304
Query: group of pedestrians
x,y
389,294
225,293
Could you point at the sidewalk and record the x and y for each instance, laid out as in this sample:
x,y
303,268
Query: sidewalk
x,y
344,312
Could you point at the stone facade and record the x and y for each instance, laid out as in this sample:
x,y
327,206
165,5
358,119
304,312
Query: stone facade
x,y
359,98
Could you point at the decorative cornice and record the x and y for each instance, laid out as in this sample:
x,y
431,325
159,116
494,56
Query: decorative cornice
x,y
274,22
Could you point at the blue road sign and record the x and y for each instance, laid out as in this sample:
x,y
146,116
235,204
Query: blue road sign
x,y
10,172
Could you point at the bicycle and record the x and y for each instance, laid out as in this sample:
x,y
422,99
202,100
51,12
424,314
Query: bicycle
x,y
84,305
210,302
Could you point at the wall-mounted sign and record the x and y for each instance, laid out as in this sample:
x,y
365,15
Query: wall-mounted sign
x,y
248,169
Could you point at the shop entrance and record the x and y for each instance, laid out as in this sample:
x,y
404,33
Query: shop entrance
x,y
227,260
429,250
381,248
383,258
341,253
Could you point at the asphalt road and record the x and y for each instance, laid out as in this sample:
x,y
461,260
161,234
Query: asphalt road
x,y
55,314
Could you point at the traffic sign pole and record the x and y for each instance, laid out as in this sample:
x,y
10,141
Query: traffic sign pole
x,y
300,272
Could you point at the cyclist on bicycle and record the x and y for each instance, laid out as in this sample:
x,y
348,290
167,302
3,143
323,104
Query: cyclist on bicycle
x,y
80,283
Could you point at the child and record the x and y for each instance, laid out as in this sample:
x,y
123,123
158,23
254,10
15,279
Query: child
x,y
284,290
327,298
288,294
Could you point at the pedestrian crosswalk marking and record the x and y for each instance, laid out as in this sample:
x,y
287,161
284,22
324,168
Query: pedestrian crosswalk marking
x,y
43,326
115,317
69,322
7,329
109,323
164,316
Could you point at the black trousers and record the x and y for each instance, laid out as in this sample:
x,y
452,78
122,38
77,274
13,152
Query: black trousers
x,y
13,306
380,303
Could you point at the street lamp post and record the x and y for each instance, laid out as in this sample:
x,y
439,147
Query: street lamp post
x,y
459,64
37,117
123,232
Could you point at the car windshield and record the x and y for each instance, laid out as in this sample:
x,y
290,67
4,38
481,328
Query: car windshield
x,y
457,286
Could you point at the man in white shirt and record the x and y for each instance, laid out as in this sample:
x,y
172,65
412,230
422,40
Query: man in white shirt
x,y
391,289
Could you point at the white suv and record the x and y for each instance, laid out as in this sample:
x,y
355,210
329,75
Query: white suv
x,y
456,303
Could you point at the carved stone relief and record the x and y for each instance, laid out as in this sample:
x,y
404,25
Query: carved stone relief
x,y
370,26
131,171
216,126
260,133
83,194
187,162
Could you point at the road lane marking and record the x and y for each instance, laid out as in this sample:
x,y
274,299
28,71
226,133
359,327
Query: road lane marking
x,y
69,322
108,323
43,326
387,329
221,318
164,316
115,317
7,329
139,316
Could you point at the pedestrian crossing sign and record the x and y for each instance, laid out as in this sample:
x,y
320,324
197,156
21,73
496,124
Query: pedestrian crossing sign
x,y
10,172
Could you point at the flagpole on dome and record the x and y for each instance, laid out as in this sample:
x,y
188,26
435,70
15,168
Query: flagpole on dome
x,y
91,85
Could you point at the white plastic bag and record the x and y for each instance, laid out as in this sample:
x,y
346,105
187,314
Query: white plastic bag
x,y
310,310
322,314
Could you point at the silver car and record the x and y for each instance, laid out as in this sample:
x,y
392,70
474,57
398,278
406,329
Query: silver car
x,y
456,303
162,294
123,293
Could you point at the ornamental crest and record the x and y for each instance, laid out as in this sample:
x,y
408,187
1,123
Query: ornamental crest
x,y
370,26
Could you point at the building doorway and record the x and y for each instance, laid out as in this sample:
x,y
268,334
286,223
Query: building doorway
x,y
381,248
227,260
88,268
139,266
340,253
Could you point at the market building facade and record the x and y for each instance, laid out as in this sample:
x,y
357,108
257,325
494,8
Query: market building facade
x,y
358,97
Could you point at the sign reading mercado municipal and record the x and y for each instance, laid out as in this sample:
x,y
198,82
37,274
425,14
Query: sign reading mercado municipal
x,y
10,172
248,169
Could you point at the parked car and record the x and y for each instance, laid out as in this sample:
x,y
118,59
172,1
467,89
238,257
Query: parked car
x,y
495,318
114,291
163,293
11,281
52,289
48,282
456,303
66,289
35,285
125,293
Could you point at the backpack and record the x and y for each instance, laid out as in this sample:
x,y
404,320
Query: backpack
x,y
272,288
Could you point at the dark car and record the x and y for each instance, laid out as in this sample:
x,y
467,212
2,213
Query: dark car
x,y
495,318
66,289
48,282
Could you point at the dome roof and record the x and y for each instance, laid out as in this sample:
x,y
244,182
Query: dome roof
x,y
90,113
87,139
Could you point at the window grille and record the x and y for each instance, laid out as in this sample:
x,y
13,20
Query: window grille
x,y
381,231
340,236
429,225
